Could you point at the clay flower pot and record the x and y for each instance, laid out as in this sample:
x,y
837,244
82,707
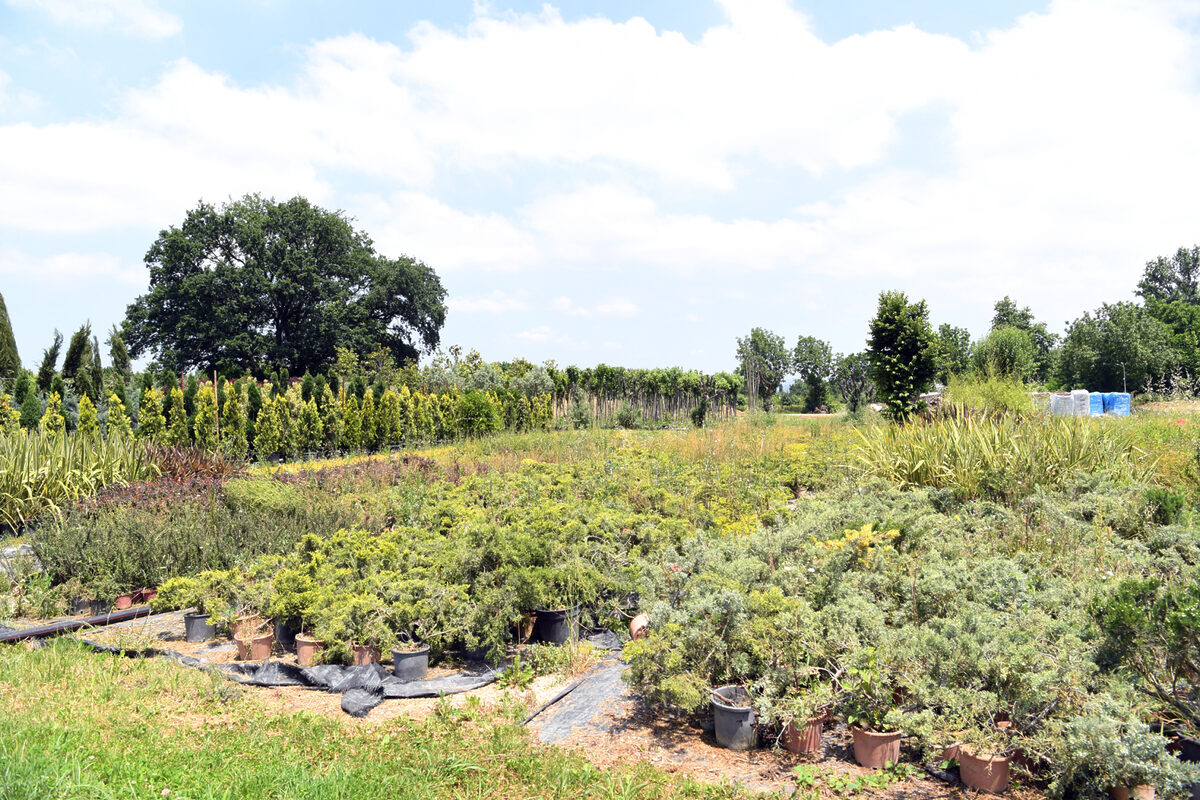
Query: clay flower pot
x,y
875,750
364,654
982,773
1142,792
307,648
123,602
804,738
256,647
639,626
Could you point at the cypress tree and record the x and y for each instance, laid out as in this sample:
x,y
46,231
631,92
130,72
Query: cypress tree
x,y
151,422
369,427
53,422
351,425
388,423
118,355
233,425
89,421
77,351
177,427
21,386
288,439
58,386
359,387
306,386
205,427
189,396
266,431
254,401
331,419
97,372
47,370
118,421
31,411
118,391
10,361
407,428
312,432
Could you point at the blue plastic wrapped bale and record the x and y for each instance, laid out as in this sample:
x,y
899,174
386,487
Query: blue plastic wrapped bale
x,y
1096,404
1109,398
1122,404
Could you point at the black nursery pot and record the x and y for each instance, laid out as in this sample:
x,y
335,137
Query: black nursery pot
x,y
410,665
197,629
285,634
85,605
556,626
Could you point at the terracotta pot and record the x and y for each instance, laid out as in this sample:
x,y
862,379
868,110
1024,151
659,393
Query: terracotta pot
x,y
307,649
875,750
981,773
145,595
123,602
639,626
1142,792
256,647
804,738
364,654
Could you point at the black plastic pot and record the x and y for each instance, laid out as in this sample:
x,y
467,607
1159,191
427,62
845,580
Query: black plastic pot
x,y
554,627
733,718
285,634
1188,749
410,665
197,629
84,605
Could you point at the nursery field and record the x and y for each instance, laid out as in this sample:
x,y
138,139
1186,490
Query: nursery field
x,y
1023,588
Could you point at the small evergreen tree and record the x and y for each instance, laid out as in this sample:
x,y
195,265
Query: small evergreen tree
x,y
97,372
118,355
53,422
58,385
10,361
89,421
331,418
77,352
351,425
205,427
422,417
118,389
31,410
10,415
47,370
288,434
254,400
306,386
118,421
312,432
388,422
268,430
233,425
369,428
177,427
192,388
152,424
407,417
21,386
449,402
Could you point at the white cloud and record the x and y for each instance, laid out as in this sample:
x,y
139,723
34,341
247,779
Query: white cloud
x,y
498,302
70,267
611,307
140,18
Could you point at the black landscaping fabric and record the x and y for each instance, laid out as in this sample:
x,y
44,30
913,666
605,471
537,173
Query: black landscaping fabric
x,y
364,687
584,705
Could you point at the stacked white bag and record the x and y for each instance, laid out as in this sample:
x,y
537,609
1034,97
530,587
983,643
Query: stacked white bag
x,y
1081,403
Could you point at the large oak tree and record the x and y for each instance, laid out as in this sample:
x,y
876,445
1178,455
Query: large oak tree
x,y
257,284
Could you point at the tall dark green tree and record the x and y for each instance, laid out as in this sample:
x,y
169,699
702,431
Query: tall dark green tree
x,y
902,351
118,354
853,378
10,360
77,352
97,374
1010,315
953,351
1117,346
812,359
49,367
258,283
1172,279
764,361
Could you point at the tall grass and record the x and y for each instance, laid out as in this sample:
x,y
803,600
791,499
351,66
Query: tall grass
x,y
1001,457
39,472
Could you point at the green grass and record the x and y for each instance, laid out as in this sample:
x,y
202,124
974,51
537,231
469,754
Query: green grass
x,y
78,724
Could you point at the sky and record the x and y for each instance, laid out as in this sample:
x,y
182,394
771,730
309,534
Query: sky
x,y
636,184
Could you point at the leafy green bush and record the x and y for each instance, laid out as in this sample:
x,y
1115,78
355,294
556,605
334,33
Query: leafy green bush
x,y
1166,506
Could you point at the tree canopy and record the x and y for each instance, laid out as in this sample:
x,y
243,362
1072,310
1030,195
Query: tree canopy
x,y
10,361
1174,278
1120,346
257,284
764,361
902,350
1009,315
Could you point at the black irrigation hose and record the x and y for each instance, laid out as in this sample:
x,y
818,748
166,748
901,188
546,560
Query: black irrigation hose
x,y
554,700
55,628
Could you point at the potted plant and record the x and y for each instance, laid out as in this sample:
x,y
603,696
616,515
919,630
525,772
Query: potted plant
x,y
868,706
208,595
803,716
984,756
733,718
354,627
410,658
1109,751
